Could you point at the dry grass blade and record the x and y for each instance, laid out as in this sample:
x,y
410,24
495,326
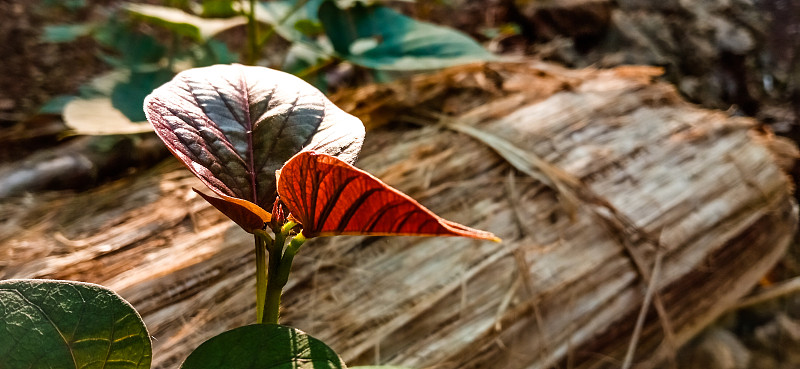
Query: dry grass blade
x,y
572,192
648,298
528,163
779,290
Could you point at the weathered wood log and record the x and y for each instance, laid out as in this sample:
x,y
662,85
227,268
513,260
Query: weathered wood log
x,y
625,171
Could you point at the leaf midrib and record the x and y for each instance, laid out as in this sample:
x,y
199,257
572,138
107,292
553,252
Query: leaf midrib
x,y
61,334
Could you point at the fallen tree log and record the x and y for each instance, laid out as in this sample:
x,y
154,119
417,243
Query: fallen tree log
x,y
588,176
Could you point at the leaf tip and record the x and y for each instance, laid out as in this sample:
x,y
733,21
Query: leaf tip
x,y
246,214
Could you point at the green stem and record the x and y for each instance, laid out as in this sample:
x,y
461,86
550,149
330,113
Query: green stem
x,y
280,264
316,68
263,242
252,35
288,257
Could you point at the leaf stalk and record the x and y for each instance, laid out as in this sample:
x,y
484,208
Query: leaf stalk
x,y
263,242
280,265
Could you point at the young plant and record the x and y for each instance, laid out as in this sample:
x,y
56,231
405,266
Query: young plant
x,y
259,139
234,127
263,139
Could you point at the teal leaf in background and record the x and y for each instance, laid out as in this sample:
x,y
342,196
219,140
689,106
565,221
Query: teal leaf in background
x,y
128,97
56,105
285,15
62,324
133,49
263,346
381,38
212,52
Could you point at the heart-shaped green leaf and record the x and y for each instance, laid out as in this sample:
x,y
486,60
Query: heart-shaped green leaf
x,y
381,38
234,126
63,324
263,346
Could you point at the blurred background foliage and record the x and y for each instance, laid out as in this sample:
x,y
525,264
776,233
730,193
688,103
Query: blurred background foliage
x,y
145,45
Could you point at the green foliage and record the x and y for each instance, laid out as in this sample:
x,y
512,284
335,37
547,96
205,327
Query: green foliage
x,y
56,105
61,324
182,23
218,9
70,5
284,16
141,62
380,38
321,32
129,95
263,346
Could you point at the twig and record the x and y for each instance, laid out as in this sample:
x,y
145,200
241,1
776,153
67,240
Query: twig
x,y
648,298
573,191
779,290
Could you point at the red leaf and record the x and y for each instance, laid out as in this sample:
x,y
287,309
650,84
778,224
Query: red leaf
x,y
330,197
247,215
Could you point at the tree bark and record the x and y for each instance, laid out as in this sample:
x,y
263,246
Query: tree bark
x,y
619,169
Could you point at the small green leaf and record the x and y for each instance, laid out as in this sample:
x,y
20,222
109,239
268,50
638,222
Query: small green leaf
x,y
309,28
218,9
284,15
128,97
132,48
63,324
176,20
263,346
66,32
380,38
213,52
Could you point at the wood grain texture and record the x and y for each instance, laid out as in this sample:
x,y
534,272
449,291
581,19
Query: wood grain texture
x,y
561,290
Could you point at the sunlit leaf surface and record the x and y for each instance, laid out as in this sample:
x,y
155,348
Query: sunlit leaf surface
x,y
233,126
263,346
332,197
64,324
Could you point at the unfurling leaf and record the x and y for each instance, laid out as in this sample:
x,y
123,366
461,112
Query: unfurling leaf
x,y
329,197
247,215
233,126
